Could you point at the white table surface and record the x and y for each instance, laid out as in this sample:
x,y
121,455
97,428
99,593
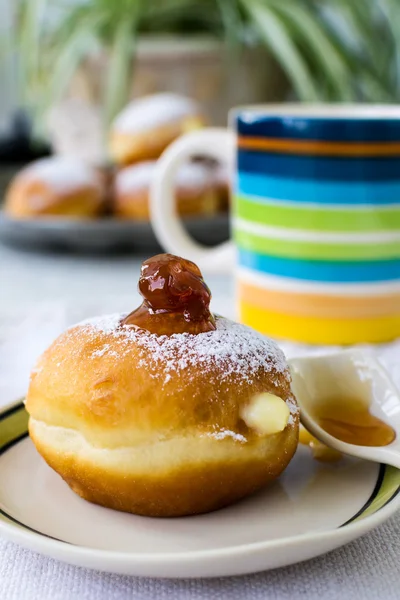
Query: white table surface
x,y
366,569
27,279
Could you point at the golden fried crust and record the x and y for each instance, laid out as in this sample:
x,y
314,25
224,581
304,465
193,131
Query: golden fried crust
x,y
130,434
136,205
114,399
193,476
130,148
133,206
196,191
27,198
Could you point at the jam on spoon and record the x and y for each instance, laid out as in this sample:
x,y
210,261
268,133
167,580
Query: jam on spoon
x,y
176,298
349,419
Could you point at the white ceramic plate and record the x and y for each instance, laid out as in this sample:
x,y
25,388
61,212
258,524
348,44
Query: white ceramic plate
x,y
312,509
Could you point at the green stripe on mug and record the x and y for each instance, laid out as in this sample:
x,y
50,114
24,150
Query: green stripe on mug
x,y
313,218
305,249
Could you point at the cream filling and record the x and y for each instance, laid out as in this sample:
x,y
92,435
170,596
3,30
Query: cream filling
x,y
266,414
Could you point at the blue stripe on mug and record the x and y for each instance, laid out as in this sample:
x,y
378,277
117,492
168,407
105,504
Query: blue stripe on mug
x,y
267,188
315,270
251,123
319,168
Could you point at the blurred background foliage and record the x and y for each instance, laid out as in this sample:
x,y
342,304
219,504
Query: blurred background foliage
x,y
329,50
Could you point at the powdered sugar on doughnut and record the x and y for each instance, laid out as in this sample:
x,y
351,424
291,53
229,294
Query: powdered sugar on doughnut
x,y
223,434
62,174
222,175
234,348
154,111
194,175
294,410
137,178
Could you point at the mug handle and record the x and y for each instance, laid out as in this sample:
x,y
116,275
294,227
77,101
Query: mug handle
x,y
218,143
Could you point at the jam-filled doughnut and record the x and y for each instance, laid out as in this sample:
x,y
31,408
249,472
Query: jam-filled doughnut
x,y
148,125
56,186
167,411
196,190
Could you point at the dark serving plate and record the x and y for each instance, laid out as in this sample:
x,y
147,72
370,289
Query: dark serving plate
x,y
101,235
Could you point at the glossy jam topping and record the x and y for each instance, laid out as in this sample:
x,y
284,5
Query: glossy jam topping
x,y
349,420
176,298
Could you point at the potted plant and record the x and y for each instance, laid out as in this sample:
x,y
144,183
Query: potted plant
x,y
223,52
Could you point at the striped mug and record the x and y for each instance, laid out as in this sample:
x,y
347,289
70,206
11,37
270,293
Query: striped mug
x,y
315,218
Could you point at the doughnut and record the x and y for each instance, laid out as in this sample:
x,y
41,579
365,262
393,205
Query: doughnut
x,y
55,186
196,191
168,410
223,183
148,125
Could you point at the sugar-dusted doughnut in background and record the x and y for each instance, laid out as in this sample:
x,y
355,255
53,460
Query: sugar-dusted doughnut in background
x,y
148,125
223,182
56,186
197,191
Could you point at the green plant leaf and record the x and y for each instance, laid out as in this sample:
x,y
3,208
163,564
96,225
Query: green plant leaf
x,y
321,50
231,19
120,71
277,39
391,61
328,48
366,40
30,17
66,58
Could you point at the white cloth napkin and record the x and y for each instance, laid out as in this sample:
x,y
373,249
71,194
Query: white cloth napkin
x,y
22,339
367,569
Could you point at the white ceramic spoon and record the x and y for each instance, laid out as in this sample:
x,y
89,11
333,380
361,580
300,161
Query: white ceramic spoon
x,y
349,373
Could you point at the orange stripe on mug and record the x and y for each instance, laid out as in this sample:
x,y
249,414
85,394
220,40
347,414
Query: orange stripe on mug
x,y
319,305
318,147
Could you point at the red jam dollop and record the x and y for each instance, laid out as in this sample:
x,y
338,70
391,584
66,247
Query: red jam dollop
x,y
176,298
